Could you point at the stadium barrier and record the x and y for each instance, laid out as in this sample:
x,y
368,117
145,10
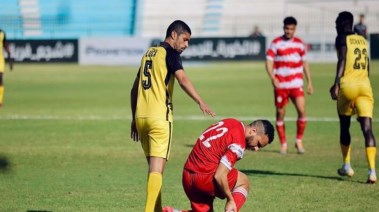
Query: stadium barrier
x,y
112,51
44,50
226,48
128,50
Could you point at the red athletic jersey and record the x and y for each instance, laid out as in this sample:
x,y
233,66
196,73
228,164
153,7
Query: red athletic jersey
x,y
288,57
223,142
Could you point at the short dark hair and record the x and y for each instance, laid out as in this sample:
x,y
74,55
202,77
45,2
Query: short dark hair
x,y
289,21
267,127
179,27
345,18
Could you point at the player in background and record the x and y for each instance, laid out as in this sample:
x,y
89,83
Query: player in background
x,y
3,45
285,65
151,104
353,92
209,170
360,28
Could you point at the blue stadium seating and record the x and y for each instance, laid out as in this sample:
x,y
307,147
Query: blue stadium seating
x,y
10,19
72,18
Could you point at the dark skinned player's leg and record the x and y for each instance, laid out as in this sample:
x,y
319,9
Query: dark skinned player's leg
x,y
345,130
370,144
345,140
366,127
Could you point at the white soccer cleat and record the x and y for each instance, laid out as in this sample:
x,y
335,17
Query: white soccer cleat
x,y
345,172
300,148
371,178
283,149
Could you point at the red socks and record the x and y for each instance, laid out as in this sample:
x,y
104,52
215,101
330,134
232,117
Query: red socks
x,y
239,196
301,123
281,128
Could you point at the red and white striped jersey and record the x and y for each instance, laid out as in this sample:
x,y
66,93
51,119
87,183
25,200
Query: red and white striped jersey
x,y
288,57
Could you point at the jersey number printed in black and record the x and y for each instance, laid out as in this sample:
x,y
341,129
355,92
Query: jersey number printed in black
x,y
357,64
146,71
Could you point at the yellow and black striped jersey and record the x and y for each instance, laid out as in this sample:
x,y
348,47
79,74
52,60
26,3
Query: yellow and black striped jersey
x,y
156,82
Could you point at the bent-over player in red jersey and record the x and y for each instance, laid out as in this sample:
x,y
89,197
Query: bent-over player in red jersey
x,y
209,171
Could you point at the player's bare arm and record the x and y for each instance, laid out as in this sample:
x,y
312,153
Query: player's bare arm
x,y
186,84
221,178
10,59
133,105
341,54
270,72
307,72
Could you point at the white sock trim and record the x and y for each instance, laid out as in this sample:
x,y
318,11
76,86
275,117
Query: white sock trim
x,y
240,190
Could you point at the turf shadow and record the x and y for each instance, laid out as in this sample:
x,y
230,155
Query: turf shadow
x,y
265,172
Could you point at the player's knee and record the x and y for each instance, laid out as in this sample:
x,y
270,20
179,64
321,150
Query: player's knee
x,y
243,181
366,129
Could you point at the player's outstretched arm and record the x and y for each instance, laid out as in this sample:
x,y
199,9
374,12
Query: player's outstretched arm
x,y
186,84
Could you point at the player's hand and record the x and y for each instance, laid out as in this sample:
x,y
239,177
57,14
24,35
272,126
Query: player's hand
x,y
334,91
230,206
133,131
206,109
310,89
275,82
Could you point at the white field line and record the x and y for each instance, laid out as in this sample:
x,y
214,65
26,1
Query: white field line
x,y
183,118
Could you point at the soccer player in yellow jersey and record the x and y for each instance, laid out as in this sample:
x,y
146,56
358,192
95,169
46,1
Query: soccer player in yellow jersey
x,y
151,103
352,90
3,44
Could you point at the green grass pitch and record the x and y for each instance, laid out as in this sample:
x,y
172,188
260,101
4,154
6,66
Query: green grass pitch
x,y
65,141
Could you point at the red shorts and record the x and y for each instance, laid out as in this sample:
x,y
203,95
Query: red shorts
x,y
282,95
201,189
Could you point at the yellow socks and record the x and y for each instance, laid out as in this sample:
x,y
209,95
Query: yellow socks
x,y
345,153
371,155
154,185
1,94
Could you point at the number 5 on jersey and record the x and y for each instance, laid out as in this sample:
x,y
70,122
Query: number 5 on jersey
x,y
146,72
